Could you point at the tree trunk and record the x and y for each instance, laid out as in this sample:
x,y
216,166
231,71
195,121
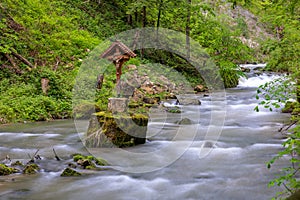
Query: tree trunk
x,y
144,20
144,17
187,29
129,20
298,90
136,17
158,16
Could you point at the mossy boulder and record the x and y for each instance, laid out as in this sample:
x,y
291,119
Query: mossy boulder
x,y
88,162
116,130
174,110
17,163
31,168
70,172
5,170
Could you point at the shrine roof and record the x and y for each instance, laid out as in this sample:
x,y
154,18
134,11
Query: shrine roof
x,y
117,48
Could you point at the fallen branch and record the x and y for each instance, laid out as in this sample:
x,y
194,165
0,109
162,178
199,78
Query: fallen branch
x,y
286,127
10,59
21,58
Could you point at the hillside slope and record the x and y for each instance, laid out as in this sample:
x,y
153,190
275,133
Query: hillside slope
x,y
42,45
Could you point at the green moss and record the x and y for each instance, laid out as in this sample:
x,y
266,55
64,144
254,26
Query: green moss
x,y
100,161
78,157
31,169
70,172
17,163
121,130
174,110
133,105
90,167
88,162
290,107
5,170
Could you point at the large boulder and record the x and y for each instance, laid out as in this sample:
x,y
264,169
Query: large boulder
x,y
129,82
188,100
116,130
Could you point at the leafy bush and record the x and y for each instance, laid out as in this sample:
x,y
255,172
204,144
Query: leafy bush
x,y
275,94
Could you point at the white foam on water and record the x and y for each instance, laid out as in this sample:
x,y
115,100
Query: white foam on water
x,y
20,135
257,80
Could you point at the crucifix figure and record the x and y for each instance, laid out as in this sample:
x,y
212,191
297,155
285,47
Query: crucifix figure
x,y
118,53
118,64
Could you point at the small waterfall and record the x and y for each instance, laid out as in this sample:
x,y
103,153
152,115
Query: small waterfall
x,y
256,77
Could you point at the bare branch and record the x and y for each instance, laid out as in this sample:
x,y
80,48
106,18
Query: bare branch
x,y
21,58
56,156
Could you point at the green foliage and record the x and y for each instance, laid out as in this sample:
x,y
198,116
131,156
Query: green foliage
x,y
275,94
230,74
282,18
24,101
289,175
55,36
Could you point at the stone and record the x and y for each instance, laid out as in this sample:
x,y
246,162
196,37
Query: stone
x,y
137,96
200,88
70,172
72,165
86,164
174,110
31,168
258,69
129,83
188,100
185,121
131,67
151,100
17,163
86,161
244,69
148,89
117,105
5,170
119,130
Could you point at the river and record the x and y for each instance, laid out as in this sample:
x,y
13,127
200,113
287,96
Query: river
x,y
234,169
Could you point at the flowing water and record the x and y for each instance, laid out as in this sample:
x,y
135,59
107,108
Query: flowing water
x,y
234,169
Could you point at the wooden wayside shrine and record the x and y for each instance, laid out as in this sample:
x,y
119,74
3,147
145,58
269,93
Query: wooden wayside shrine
x,y
116,127
118,53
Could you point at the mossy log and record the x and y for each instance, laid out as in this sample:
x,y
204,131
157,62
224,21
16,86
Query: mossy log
x,y
116,130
